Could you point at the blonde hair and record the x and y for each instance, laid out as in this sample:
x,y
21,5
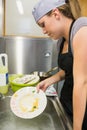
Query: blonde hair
x,y
71,9
75,8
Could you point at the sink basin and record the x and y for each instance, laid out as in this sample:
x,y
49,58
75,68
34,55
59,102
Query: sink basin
x,y
53,117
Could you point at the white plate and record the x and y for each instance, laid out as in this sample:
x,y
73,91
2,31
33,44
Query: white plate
x,y
19,96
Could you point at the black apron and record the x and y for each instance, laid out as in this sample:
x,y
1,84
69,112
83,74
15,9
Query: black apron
x,y
65,62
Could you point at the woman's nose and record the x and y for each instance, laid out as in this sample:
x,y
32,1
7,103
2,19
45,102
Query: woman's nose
x,y
44,31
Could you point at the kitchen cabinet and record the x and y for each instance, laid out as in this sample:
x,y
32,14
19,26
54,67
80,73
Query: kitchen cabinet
x,y
19,19
83,5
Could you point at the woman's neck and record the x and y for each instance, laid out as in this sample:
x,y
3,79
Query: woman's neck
x,y
67,25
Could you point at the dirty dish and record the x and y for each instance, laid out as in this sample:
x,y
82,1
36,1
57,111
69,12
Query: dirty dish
x,y
19,81
27,103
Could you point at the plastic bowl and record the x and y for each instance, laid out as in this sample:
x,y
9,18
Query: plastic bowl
x,y
16,86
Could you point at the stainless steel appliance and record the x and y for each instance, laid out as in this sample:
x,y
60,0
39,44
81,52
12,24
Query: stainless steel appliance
x,y
29,54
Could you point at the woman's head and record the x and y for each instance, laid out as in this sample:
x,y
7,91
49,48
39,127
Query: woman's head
x,y
66,7
44,6
54,17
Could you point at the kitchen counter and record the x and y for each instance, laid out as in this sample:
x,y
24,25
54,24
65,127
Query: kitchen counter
x,y
53,117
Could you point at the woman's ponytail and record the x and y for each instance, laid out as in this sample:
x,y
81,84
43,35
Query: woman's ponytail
x,y
75,8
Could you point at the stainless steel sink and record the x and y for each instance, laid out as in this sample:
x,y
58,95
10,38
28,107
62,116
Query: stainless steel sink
x,y
53,117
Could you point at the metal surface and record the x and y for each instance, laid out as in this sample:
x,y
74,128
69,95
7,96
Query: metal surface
x,y
2,45
28,54
51,119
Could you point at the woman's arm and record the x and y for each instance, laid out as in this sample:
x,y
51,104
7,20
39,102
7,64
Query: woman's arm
x,y
80,77
49,81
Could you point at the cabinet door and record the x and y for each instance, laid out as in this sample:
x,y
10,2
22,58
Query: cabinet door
x,y
83,5
19,19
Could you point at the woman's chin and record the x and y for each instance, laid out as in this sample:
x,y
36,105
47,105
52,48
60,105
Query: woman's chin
x,y
54,38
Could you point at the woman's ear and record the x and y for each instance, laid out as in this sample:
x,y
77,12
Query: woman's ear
x,y
56,13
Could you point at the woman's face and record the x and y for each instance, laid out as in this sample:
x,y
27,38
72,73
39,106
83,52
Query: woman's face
x,y
51,26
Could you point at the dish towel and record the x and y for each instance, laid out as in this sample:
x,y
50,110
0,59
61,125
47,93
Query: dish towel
x,y
51,91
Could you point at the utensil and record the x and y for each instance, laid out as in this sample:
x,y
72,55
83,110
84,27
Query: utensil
x,y
52,69
44,75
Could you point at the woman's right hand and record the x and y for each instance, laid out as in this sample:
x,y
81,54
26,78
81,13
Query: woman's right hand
x,y
51,80
43,85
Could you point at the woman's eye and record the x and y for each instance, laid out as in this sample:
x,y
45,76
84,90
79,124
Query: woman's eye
x,y
42,25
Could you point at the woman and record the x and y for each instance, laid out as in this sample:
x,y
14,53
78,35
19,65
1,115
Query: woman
x,y
58,22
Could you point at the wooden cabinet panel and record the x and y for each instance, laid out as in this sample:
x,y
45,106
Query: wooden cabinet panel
x,y
83,5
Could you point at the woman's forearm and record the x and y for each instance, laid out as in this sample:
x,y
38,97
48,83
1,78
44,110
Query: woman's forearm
x,y
56,77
